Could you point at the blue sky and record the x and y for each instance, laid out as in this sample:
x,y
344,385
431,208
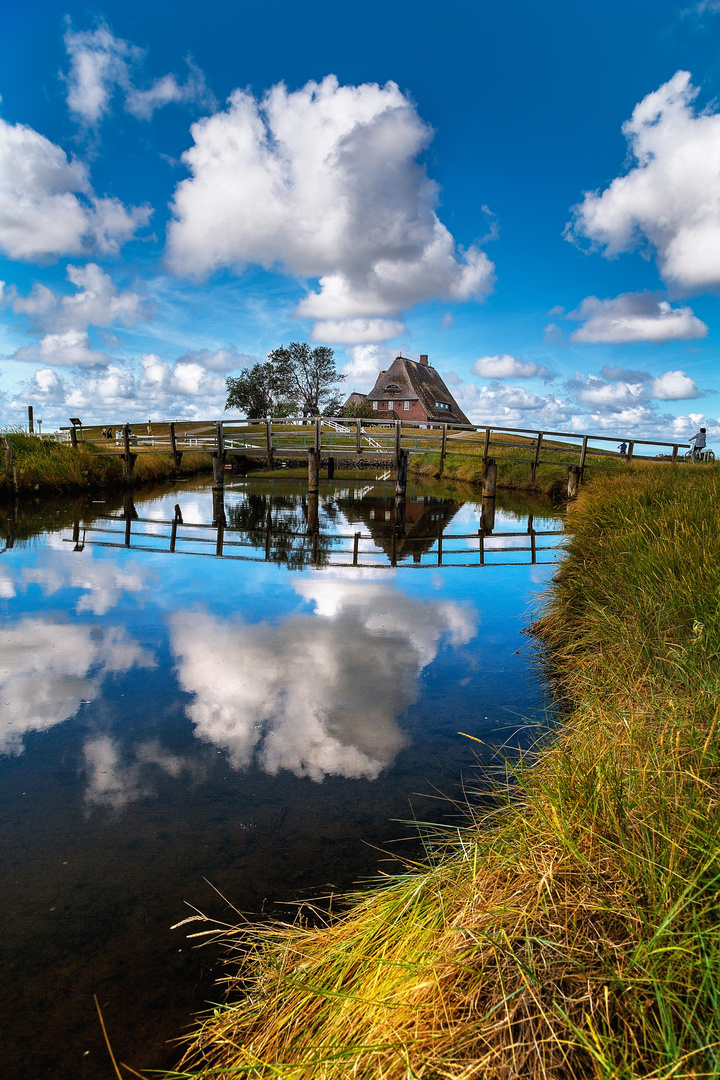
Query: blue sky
x,y
528,193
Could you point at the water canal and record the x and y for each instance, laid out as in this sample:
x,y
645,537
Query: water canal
x,y
176,728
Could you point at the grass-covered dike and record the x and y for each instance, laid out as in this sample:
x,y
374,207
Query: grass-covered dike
x,y
41,465
573,931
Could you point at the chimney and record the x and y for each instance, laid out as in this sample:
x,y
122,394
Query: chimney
x,y
424,360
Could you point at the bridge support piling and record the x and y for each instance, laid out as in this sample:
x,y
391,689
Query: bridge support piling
x,y
218,480
489,479
331,468
128,458
269,442
313,471
574,475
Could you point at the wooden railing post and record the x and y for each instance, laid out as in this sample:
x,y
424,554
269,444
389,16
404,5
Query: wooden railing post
x,y
490,479
318,438
443,447
358,432
31,425
536,459
269,441
176,454
675,454
486,447
583,454
73,437
631,447
356,546
128,459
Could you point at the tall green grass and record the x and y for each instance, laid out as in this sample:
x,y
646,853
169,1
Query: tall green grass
x,y
41,465
573,930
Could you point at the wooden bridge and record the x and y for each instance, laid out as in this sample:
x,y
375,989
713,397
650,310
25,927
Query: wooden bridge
x,y
325,440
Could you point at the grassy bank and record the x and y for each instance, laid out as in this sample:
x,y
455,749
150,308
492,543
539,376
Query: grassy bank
x,y
574,930
50,467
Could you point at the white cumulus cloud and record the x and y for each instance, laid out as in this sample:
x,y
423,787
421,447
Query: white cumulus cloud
x,y
47,205
507,367
673,386
634,317
323,183
669,201
97,302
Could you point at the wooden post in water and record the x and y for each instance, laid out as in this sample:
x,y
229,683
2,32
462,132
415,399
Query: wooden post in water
x,y
128,460
489,479
531,533
398,437
481,546
313,471
631,447
218,480
574,475
358,433
440,548
356,546
536,459
31,425
401,468
331,468
176,454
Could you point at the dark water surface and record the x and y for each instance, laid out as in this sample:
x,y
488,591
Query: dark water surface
x,y
260,723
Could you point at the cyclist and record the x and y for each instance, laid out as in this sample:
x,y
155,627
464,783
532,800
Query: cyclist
x,y
700,441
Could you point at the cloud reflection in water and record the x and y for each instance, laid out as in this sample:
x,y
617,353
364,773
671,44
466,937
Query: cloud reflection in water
x,y
48,667
315,694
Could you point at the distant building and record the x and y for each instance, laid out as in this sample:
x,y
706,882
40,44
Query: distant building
x,y
412,390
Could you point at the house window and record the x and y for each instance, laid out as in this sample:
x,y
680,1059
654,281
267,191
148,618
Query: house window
x,y
406,406
375,405
442,406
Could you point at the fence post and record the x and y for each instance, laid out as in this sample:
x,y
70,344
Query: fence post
x,y
583,454
536,460
356,545
268,439
128,461
675,454
331,468
490,479
442,448
73,437
486,447
631,447
318,438
313,471
574,474
218,480
358,440
176,454
481,546
31,425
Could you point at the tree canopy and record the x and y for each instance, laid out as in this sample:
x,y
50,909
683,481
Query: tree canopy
x,y
297,378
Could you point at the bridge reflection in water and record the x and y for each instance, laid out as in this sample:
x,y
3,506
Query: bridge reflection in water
x,y
304,530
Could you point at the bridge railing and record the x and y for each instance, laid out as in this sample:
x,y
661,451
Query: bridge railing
x,y
344,437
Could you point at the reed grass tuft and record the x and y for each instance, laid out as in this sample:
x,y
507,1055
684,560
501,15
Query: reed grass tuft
x,y
574,929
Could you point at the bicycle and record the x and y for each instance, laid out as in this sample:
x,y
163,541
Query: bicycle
x,y
700,454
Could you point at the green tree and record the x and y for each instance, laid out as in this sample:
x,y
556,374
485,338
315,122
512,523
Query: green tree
x,y
362,410
310,377
261,390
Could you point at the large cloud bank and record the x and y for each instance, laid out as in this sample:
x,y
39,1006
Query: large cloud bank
x,y
324,183
669,202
